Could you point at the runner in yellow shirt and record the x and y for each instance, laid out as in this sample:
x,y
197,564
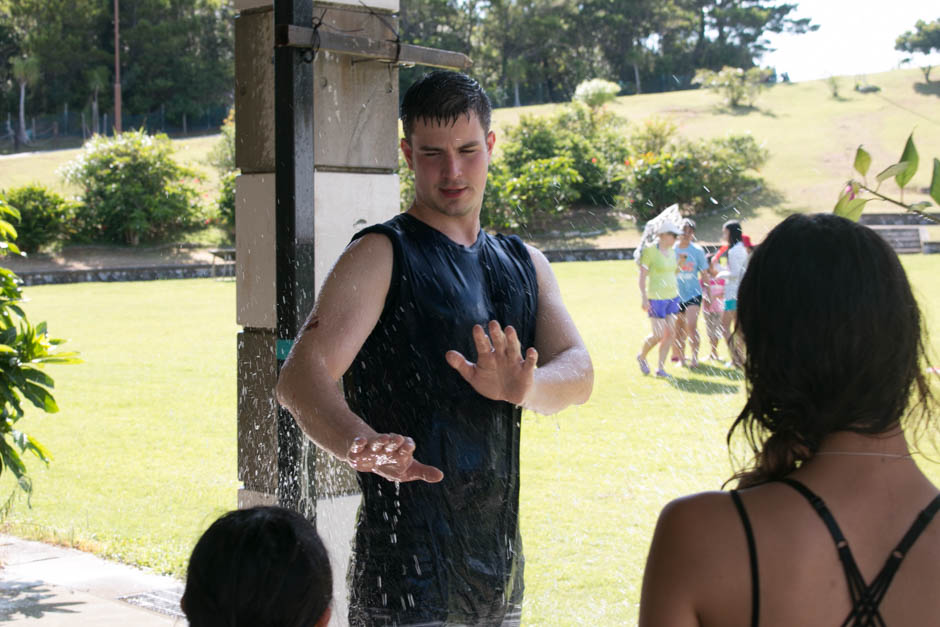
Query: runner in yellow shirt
x,y
659,264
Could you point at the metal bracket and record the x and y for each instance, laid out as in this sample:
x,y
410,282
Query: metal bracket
x,y
366,49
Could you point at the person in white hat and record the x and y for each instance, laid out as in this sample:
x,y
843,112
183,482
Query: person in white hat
x,y
659,265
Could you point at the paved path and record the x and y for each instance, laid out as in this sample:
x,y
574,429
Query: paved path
x,y
48,586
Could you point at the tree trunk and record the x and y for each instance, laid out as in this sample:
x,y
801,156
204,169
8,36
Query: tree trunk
x,y
95,128
515,93
636,77
21,130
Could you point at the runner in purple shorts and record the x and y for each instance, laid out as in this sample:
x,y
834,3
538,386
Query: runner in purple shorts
x,y
658,268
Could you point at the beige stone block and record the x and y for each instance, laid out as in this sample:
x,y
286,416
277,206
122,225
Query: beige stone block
x,y
254,92
345,203
255,253
355,100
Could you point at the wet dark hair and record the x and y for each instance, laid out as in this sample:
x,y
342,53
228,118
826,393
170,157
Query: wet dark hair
x,y
735,234
443,96
834,342
258,567
687,222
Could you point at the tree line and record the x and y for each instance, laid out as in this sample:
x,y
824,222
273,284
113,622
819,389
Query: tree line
x,y
177,56
531,51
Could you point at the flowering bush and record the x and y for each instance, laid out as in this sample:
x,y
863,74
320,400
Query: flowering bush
x,y
698,175
596,92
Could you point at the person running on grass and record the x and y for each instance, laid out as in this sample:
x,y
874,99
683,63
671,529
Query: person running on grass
x,y
442,333
692,269
733,239
658,267
713,303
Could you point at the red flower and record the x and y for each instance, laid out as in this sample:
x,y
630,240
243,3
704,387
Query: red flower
x,y
626,162
593,159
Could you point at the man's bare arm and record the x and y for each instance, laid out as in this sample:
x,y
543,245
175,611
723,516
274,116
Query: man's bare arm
x,y
565,374
348,308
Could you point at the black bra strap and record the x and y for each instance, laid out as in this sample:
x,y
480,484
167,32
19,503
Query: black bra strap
x,y
752,552
866,598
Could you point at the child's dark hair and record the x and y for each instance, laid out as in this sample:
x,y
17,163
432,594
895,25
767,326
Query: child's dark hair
x,y
735,234
258,567
834,342
443,96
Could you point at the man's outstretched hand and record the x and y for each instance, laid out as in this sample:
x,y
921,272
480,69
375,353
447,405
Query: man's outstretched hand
x,y
390,456
501,373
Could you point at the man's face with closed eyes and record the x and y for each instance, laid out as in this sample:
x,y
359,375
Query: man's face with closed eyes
x,y
450,162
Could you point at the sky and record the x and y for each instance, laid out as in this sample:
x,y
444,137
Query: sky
x,y
855,37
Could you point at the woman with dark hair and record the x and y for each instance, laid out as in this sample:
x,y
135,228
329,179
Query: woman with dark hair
x,y
733,239
259,567
830,522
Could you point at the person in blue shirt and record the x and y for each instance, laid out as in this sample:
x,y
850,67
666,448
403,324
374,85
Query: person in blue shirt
x,y
692,265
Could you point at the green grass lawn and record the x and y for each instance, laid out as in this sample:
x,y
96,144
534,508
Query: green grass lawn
x,y
43,167
145,443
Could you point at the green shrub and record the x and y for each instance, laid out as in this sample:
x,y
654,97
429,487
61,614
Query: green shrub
x,y
132,189
222,158
226,202
654,135
44,216
542,186
222,155
24,350
406,183
592,139
698,175
738,86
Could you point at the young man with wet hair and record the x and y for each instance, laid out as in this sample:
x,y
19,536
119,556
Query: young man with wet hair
x,y
442,333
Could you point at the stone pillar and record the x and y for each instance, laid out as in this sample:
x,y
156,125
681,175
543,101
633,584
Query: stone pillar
x,y
354,183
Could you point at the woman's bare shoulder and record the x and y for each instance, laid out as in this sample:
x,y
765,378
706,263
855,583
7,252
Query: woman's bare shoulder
x,y
694,560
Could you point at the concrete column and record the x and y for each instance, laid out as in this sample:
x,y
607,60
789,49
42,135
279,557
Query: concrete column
x,y
355,115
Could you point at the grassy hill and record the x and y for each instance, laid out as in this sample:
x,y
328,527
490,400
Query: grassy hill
x,y
811,137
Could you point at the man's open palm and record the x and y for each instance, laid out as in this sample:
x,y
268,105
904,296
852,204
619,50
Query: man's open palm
x,y
500,372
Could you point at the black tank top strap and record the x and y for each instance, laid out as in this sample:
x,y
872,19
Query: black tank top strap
x,y
752,555
866,599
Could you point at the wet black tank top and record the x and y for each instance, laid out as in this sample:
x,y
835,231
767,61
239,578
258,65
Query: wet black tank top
x,y
448,552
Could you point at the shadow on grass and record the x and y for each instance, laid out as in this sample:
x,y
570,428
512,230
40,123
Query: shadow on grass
x,y
574,228
700,386
928,89
728,372
740,110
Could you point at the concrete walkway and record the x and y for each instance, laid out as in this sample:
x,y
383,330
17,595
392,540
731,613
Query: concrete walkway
x,y
48,586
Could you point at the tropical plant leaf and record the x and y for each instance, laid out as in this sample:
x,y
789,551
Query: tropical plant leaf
x,y
862,161
853,209
912,159
842,204
891,170
36,375
40,397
